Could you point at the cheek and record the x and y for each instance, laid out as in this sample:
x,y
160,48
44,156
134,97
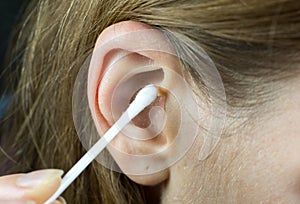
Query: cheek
x,y
260,164
270,163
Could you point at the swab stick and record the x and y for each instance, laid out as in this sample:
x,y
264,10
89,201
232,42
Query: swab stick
x,y
143,99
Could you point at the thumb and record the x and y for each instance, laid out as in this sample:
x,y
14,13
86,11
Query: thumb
x,y
35,186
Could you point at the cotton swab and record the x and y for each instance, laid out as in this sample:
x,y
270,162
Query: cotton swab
x,y
143,99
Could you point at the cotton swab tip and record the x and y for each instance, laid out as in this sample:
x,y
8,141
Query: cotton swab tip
x,y
146,95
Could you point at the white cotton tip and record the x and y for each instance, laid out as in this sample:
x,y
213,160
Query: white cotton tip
x,y
143,99
146,95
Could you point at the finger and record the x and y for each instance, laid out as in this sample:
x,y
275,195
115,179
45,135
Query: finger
x,y
35,186
17,202
58,201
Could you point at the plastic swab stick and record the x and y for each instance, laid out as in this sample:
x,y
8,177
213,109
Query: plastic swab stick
x,y
143,99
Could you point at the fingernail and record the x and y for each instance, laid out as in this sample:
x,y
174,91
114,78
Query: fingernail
x,y
62,200
36,178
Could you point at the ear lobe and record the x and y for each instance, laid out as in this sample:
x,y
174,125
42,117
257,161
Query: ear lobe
x,y
122,64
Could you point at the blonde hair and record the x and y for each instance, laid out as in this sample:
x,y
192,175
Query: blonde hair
x,y
253,44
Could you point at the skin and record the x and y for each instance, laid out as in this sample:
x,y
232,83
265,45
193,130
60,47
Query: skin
x,y
38,187
259,164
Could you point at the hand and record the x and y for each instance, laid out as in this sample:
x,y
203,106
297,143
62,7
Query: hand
x,y
31,188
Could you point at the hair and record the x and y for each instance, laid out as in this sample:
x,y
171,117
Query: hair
x,y
254,45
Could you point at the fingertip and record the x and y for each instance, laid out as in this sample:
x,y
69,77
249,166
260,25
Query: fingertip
x,y
38,178
35,186
51,182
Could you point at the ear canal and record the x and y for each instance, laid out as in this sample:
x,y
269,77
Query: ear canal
x,y
143,120
150,122
127,89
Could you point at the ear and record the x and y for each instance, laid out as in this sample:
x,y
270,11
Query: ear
x,y
126,57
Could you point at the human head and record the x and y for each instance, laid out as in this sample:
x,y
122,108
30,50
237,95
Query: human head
x,y
252,44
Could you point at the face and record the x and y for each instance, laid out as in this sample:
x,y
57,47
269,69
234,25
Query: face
x,y
259,163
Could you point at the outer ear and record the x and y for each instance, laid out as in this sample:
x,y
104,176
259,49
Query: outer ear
x,y
119,67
